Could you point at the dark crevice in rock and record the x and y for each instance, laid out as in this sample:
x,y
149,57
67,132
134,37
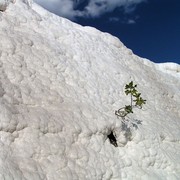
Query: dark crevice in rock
x,y
112,139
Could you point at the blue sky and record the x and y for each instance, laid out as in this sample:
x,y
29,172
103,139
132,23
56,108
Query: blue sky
x,y
150,28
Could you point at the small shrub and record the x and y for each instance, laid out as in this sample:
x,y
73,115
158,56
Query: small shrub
x,y
136,101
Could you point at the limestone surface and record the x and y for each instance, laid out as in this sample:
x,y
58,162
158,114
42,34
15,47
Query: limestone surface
x,y
60,84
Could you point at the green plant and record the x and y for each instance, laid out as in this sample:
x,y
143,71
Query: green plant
x,y
136,101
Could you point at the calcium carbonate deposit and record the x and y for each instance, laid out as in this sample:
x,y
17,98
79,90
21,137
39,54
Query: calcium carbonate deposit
x,y
60,84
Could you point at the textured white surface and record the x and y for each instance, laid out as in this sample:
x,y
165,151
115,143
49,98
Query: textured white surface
x,y
170,68
60,85
4,4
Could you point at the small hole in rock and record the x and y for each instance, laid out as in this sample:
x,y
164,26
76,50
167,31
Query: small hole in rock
x,y
112,139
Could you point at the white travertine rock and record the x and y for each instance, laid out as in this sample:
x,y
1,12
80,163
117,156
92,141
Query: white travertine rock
x,y
170,68
5,3
60,84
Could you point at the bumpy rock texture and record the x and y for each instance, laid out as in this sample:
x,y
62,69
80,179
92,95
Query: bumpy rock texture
x,y
60,84
5,3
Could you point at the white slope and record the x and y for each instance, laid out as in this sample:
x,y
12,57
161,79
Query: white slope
x,y
5,3
170,68
60,84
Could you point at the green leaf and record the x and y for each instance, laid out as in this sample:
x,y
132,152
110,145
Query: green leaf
x,y
128,109
129,86
127,92
139,101
138,95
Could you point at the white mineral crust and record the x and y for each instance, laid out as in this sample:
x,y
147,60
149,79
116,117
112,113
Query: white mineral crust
x,y
60,84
